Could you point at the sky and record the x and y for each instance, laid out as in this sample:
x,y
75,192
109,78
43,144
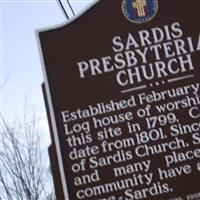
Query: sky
x,y
21,71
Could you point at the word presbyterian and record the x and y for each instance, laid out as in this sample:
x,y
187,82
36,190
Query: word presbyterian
x,y
156,53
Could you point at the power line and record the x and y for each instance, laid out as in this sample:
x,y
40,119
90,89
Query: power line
x,y
72,10
63,9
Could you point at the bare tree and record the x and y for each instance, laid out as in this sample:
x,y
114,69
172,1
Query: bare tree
x,y
23,171
24,174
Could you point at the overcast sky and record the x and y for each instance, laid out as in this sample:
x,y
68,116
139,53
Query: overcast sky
x,y
21,72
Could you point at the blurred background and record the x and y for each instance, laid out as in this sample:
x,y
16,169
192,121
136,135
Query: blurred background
x,y
21,72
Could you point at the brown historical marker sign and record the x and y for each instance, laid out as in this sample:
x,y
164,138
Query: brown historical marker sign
x,y
123,90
